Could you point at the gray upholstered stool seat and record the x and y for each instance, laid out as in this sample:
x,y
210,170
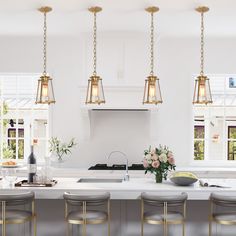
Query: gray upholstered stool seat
x,y
17,208
171,217
169,209
16,216
92,217
223,210
80,212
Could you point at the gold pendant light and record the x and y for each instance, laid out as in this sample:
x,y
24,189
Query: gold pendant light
x,y
45,93
152,91
202,91
95,93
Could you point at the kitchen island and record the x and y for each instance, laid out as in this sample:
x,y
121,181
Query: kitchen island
x,y
125,204
128,190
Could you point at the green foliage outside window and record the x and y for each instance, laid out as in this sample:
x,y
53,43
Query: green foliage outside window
x,y
198,150
199,134
232,143
8,152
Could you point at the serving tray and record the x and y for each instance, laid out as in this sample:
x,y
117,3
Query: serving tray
x,y
24,183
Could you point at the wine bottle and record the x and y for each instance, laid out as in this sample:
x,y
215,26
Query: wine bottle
x,y
32,167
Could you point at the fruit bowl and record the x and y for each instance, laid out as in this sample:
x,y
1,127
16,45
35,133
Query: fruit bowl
x,y
183,178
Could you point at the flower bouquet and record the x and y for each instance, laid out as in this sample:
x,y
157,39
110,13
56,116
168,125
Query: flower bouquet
x,y
159,161
59,148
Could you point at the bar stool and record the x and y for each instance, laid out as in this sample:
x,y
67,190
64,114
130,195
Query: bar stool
x,y
10,212
82,215
162,215
226,212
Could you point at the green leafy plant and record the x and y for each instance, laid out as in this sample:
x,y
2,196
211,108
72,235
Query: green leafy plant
x,y
60,148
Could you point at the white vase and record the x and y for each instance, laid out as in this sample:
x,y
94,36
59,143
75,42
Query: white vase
x,y
56,161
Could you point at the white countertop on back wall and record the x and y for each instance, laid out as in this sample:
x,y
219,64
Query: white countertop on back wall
x,y
201,172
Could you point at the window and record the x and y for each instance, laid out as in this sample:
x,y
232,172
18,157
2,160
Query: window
x,y
231,142
21,120
199,142
215,125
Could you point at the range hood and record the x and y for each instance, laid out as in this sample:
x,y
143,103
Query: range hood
x,y
118,99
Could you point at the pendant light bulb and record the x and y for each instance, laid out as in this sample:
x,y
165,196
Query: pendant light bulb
x,y
152,91
45,93
202,91
95,93
45,90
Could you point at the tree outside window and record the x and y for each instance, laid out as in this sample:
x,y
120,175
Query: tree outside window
x,y
199,142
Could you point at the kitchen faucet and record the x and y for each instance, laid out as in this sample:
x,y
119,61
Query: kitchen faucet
x,y
126,177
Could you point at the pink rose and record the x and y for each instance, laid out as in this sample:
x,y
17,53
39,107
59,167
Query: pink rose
x,y
155,164
170,154
154,157
153,152
145,163
171,160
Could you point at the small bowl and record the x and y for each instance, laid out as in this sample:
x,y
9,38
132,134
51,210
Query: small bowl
x,y
183,178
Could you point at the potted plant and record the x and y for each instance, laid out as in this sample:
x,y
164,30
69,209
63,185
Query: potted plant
x,y
159,161
60,149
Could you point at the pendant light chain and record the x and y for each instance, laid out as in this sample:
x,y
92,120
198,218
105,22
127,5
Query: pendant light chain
x,y
95,45
202,44
152,45
45,45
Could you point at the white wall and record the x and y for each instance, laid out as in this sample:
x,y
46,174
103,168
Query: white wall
x,y
123,60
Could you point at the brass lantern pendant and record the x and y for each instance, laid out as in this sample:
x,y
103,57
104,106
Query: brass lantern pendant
x,y
152,91
202,91
45,93
95,93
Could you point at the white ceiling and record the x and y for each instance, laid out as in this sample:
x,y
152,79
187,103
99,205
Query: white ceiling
x,y
70,17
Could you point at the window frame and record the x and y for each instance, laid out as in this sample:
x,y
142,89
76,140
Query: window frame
x,y
17,118
199,124
207,162
230,140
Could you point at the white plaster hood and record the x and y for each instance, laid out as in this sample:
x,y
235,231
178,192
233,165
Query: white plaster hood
x,y
119,99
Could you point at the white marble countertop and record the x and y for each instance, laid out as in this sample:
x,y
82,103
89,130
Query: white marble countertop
x,y
126,190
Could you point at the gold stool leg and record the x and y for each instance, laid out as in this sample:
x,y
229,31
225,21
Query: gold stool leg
x,y
210,227
165,219
84,218
68,229
184,213
210,218
164,228
67,223
3,218
142,212
142,228
35,226
109,217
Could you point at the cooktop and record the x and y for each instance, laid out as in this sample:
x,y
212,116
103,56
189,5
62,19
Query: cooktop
x,y
116,167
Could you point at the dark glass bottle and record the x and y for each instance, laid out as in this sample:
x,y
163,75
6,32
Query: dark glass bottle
x,y
32,167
